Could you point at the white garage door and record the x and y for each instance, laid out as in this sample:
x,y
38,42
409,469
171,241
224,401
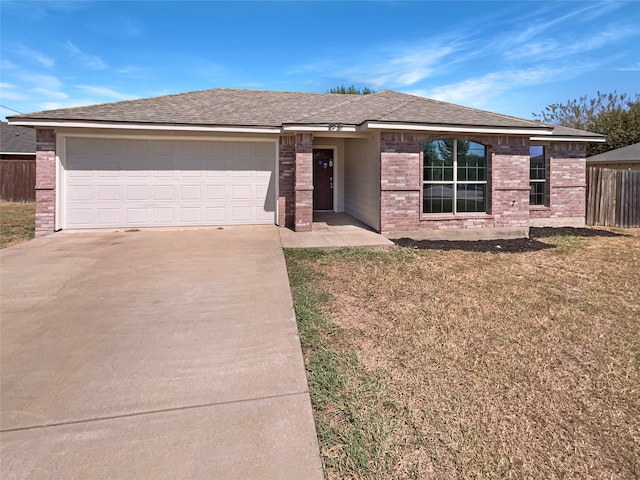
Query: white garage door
x,y
143,183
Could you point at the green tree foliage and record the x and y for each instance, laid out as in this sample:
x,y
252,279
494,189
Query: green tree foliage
x,y
615,115
352,90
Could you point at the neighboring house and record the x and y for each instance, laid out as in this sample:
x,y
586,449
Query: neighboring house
x,y
401,164
17,163
17,143
626,158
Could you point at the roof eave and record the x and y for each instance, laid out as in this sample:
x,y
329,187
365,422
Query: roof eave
x,y
567,138
320,127
424,127
49,123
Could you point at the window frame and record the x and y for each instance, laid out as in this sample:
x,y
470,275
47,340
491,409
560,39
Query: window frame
x,y
455,182
544,181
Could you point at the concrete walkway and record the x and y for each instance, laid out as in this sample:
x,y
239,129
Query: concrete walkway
x,y
334,230
152,355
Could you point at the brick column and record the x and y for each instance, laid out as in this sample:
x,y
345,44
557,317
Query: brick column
x,y
509,181
304,182
45,181
286,192
567,183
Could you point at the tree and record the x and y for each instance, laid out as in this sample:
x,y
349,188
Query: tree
x,y
615,115
352,90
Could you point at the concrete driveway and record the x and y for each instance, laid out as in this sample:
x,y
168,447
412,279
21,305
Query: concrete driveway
x,y
152,354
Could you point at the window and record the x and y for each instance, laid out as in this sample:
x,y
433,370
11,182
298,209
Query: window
x,y
537,175
454,177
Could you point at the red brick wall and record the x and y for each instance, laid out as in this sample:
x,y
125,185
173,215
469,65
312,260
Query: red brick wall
x,y
567,182
45,181
304,182
507,185
287,196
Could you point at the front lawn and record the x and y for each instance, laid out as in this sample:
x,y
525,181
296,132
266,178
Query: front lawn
x,y
475,360
17,222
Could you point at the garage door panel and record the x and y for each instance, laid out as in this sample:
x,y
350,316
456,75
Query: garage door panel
x,y
112,183
164,192
108,193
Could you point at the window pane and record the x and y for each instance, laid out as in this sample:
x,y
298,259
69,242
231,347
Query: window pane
x,y
438,161
438,198
537,163
471,198
472,162
537,193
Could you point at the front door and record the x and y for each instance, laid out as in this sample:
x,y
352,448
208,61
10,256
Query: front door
x,y
323,179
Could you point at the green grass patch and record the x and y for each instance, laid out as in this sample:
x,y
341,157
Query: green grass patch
x,y
17,222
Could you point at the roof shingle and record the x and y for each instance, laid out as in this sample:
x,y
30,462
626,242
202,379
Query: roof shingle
x,y
261,108
17,139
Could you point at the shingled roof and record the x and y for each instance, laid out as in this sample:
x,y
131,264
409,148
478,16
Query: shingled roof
x,y
260,108
17,139
630,153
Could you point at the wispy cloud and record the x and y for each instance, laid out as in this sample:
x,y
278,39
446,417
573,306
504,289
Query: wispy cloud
x,y
105,92
8,91
50,93
38,80
33,55
75,102
88,60
556,48
630,68
479,91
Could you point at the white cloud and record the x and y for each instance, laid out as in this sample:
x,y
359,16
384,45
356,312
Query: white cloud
x,y
50,93
105,92
68,104
90,61
630,68
38,80
35,56
8,91
552,49
478,91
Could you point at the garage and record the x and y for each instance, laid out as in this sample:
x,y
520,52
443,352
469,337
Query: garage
x,y
155,183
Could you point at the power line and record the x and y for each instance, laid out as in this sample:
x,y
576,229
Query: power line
x,y
13,110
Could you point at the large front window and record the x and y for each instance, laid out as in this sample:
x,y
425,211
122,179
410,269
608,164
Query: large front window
x,y
455,177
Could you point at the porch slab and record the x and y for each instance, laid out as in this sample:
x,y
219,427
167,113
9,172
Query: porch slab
x,y
334,230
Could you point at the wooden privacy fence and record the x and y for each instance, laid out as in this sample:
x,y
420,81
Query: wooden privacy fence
x,y
613,197
18,180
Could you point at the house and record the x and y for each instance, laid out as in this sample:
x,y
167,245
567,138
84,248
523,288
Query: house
x,y
17,163
17,143
621,158
402,164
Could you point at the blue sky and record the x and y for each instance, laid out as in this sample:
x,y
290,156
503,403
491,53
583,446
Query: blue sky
x,y
509,57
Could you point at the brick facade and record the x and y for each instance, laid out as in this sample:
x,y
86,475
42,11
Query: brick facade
x,y
400,184
401,188
45,181
287,179
566,199
304,182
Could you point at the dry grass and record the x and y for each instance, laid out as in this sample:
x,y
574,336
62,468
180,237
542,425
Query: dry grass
x,y
462,364
17,222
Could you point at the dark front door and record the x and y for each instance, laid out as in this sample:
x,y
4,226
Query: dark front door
x,y
323,179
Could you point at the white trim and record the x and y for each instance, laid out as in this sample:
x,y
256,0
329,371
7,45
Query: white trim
x,y
134,126
276,182
323,127
135,136
551,138
453,128
18,153
59,222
